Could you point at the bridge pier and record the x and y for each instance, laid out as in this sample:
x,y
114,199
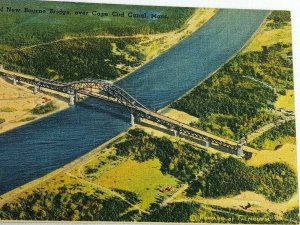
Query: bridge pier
x,y
240,151
207,143
35,90
175,132
77,98
72,100
132,120
15,81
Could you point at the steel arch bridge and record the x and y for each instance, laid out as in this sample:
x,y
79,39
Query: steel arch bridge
x,y
108,91
102,89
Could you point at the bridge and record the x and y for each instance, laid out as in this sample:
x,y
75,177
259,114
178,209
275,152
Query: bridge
x,y
108,91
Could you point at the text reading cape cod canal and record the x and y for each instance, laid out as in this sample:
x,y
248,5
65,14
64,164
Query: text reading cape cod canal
x,y
98,13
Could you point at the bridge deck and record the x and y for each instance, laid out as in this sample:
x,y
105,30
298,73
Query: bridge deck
x,y
188,127
12,73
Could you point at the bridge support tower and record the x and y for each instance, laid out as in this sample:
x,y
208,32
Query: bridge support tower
x,y
207,143
175,132
132,119
77,98
240,151
35,90
72,100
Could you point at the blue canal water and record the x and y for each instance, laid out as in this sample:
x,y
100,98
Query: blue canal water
x,y
38,148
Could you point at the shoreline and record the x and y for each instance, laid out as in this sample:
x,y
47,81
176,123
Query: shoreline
x,y
12,125
214,72
179,34
14,193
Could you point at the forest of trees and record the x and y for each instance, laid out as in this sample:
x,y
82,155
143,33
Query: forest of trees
x,y
276,181
286,129
75,59
78,206
198,213
278,19
208,175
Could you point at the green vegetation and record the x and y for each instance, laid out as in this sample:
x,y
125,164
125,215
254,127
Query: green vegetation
x,y
7,109
210,175
175,212
286,129
29,118
63,206
181,161
142,178
130,196
292,215
43,109
278,19
76,59
2,120
71,48
63,198
276,181
25,29
195,212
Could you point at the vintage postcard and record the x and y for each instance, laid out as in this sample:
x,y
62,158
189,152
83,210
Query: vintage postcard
x,y
146,114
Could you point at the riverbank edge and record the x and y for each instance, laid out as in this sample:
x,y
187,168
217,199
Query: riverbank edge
x,y
165,108
39,117
182,29
13,194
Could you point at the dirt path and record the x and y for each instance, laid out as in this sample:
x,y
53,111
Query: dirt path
x,y
258,202
266,128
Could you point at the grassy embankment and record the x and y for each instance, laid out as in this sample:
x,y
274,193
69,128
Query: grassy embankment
x,y
138,172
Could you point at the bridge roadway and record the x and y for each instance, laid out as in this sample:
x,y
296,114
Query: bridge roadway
x,y
107,91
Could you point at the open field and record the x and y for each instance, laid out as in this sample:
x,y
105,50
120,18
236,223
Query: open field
x,y
145,179
287,154
267,37
287,101
16,103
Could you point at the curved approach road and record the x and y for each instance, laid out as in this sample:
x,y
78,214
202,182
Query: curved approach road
x,y
33,150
